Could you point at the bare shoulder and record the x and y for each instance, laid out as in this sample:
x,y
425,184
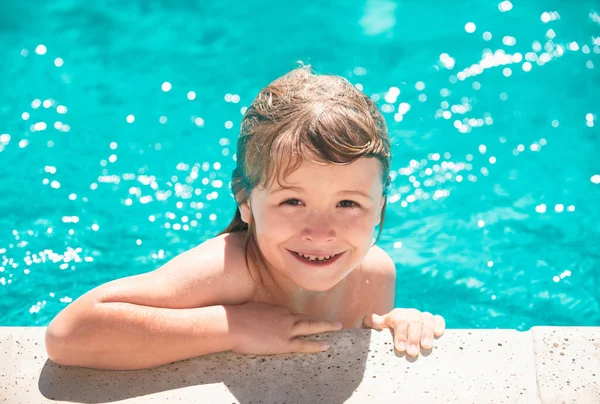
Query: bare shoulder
x,y
378,278
378,262
221,265
212,273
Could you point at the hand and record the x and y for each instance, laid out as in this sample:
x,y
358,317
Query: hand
x,y
264,329
410,328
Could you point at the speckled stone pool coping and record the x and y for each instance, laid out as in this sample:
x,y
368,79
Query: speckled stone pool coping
x,y
543,365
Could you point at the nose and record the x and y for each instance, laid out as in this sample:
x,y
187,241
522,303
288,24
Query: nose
x,y
319,228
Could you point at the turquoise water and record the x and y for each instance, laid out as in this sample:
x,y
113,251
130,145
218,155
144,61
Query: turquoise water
x,y
493,215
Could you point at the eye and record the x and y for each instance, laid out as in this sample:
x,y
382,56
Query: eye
x,y
291,202
349,204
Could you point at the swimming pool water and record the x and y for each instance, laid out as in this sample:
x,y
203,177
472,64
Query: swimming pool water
x,y
118,122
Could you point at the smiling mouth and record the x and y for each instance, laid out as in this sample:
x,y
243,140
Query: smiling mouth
x,y
313,259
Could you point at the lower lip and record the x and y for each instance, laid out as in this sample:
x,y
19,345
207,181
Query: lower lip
x,y
316,263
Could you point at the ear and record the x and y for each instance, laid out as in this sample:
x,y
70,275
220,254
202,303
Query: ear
x,y
381,207
246,212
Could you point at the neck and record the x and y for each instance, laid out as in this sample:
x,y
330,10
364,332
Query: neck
x,y
283,292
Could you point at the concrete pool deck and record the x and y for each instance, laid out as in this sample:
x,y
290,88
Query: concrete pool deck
x,y
543,365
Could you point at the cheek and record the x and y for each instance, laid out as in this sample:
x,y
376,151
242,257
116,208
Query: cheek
x,y
358,223
271,225
362,233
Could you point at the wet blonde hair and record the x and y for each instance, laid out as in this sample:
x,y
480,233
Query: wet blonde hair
x,y
302,115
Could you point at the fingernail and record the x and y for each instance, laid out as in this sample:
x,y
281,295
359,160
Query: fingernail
x,y
401,346
337,324
325,346
413,349
427,342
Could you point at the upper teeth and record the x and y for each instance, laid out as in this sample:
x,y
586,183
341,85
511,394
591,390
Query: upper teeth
x,y
313,257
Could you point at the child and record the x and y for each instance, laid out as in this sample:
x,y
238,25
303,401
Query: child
x,y
297,259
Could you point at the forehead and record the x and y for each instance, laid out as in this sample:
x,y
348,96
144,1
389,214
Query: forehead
x,y
365,173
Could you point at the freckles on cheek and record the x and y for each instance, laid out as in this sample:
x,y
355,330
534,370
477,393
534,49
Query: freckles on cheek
x,y
271,217
273,225
365,224
365,231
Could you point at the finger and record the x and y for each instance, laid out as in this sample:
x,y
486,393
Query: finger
x,y
427,330
415,325
308,346
440,325
400,327
310,326
374,321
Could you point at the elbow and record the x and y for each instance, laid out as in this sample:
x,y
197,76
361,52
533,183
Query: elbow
x,y
64,339
57,341
62,346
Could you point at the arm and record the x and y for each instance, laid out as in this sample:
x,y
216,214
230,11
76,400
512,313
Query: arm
x,y
125,336
178,311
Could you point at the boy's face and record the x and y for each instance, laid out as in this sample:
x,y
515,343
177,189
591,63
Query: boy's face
x,y
323,210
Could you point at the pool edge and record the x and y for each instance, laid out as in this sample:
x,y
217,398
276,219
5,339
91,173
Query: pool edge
x,y
542,365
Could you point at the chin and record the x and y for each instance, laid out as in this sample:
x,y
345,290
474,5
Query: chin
x,y
315,285
317,288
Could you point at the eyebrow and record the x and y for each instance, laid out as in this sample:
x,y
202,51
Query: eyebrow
x,y
344,192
